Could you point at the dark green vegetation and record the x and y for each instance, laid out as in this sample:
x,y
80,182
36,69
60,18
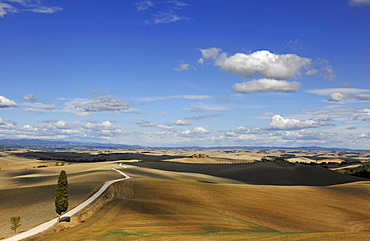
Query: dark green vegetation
x,y
361,171
15,223
61,194
87,157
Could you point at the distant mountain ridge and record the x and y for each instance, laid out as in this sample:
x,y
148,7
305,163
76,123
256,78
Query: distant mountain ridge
x,y
63,145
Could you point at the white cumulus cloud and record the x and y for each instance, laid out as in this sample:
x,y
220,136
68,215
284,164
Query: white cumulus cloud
x,y
5,102
280,123
196,131
336,97
265,85
264,63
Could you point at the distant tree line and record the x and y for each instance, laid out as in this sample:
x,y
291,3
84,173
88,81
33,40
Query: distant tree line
x,y
361,171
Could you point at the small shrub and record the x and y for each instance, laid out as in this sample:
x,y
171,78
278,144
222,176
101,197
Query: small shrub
x,y
15,223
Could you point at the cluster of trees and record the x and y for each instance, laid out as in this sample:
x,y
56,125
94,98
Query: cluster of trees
x,y
361,171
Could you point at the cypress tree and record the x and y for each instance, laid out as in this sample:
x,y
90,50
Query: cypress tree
x,y
61,194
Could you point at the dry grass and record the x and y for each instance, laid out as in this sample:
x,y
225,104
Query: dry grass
x,y
182,201
30,193
159,209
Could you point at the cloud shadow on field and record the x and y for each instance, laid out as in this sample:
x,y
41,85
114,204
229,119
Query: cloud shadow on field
x,y
259,173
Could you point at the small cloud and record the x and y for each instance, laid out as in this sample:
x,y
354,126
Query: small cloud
x,y
342,94
351,127
325,69
5,8
359,2
30,97
5,102
178,4
202,117
224,99
165,17
363,97
195,132
336,97
196,110
17,6
190,97
312,72
178,123
43,9
148,124
144,5
362,136
329,91
344,83
184,67
210,54
266,85
294,44
213,107
163,113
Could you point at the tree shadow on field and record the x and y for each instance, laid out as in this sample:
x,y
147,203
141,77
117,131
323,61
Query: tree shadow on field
x,y
259,173
65,219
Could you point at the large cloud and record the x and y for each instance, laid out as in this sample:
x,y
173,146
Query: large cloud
x,y
263,62
265,85
280,123
307,135
101,104
60,129
5,102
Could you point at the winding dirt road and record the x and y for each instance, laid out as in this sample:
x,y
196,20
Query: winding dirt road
x,y
46,225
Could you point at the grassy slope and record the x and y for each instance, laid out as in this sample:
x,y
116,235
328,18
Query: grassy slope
x,y
158,209
30,193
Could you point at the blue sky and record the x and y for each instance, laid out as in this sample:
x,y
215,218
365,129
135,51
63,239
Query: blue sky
x,y
179,73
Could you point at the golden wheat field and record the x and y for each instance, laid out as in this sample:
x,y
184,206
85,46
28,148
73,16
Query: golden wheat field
x,y
183,200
